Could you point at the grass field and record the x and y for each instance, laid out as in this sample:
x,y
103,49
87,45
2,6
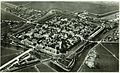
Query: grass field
x,y
7,16
113,47
28,69
94,7
7,55
44,68
7,51
107,63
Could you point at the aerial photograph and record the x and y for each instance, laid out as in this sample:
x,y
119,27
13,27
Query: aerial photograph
x,y
59,36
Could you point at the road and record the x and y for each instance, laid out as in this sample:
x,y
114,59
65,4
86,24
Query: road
x,y
68,56
99,43
109,52
81,57
86,57
98,38
107,61
15,59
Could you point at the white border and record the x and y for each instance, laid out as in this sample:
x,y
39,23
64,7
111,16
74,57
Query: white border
x,y
64,1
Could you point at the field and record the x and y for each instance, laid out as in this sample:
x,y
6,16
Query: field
x,y
94,7
113,47
7,55
28,69
8,16
44,68
36,68
107,63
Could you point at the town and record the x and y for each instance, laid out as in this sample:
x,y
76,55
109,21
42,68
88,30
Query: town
x,y
56,40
